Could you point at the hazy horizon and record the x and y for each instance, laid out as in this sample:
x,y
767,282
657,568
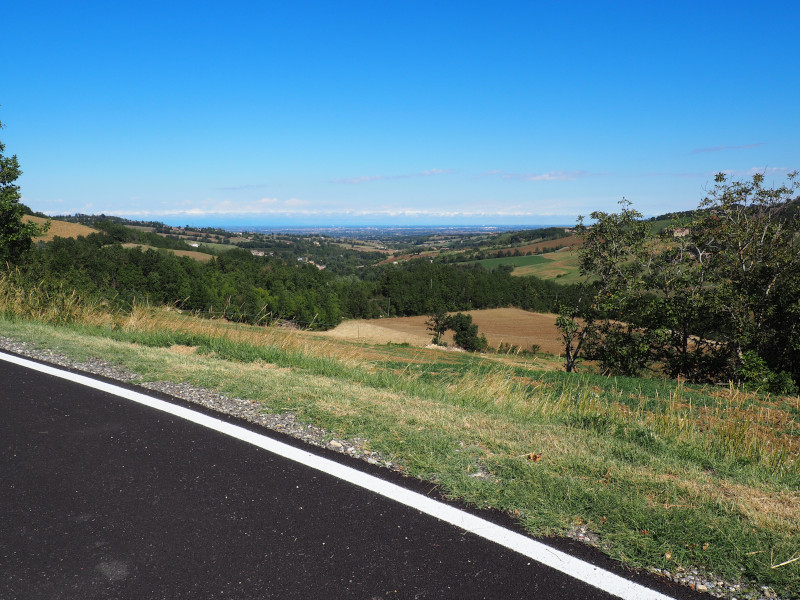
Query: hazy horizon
x,y
394,113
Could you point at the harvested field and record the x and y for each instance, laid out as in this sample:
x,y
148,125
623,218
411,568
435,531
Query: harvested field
x,y
510,325
61,229
198,256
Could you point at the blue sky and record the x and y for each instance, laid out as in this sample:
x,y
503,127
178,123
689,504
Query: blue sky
x,y
394,112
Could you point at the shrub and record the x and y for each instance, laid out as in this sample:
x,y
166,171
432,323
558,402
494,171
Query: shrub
x,y
465,333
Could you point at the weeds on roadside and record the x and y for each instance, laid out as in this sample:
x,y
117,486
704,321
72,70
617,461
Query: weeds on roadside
x,y
48,302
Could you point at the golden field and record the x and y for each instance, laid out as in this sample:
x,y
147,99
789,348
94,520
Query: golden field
x,y
61,229
510,325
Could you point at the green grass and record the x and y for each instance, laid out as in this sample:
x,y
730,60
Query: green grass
x,y
561,266
514,261
667,475
216,247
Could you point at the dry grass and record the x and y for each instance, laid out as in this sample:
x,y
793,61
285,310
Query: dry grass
x,y
500,325
61,229
49,303
149,319
198,256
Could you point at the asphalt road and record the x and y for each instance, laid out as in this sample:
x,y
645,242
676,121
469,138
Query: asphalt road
x,y
101,497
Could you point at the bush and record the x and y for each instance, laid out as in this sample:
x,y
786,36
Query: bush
x,y
465,333
754,374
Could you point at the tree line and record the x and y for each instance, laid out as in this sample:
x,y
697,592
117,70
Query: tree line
x,y
247,288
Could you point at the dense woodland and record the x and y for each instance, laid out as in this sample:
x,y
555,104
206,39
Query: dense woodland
x,y
243,287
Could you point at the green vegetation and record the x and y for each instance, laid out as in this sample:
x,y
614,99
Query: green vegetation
x,y
514,261
527,236
666,474
711,300
15,236
122,234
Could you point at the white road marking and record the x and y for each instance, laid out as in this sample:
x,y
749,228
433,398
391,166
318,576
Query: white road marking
x,y
560,561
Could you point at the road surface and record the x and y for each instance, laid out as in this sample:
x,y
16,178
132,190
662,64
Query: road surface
x,y
104,497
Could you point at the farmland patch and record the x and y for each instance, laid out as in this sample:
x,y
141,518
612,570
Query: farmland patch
x,y
198,256
61,229
512,326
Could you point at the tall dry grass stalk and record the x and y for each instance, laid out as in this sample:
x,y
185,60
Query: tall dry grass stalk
x,y
144,318
49,303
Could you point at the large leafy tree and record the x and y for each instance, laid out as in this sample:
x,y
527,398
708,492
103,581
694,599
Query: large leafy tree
x,y
465,333
600,325
716,298
750,237
15,235
726,292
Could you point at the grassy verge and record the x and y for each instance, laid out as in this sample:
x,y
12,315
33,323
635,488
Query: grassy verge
x,y
667,475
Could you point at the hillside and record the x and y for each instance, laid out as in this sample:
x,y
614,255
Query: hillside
x,y
59,228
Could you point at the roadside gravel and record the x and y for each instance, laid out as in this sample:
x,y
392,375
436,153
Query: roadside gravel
x,y
287,423
244,409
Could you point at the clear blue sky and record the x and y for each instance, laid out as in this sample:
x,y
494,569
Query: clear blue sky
x,y
394,112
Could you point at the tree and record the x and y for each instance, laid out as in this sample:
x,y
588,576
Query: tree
x,y
600,325
716,298
15,236
752,259
465,333
437,324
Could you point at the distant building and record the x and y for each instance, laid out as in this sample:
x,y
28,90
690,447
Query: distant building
x,y
680,232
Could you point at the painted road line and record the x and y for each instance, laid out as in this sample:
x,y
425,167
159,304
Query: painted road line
x,y
560,561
